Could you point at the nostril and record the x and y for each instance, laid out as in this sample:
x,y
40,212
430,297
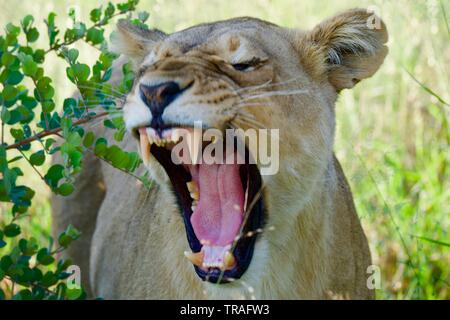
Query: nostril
x,y
168,90
158,97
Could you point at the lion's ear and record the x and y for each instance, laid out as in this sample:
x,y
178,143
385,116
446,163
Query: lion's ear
x,y
133,41
346,48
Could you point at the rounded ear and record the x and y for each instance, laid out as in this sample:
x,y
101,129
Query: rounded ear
x,y
344,49
134,41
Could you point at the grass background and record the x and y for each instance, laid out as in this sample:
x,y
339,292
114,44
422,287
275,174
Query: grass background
x,y
392,130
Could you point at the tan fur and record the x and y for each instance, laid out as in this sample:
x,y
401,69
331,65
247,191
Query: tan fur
x,y
313,246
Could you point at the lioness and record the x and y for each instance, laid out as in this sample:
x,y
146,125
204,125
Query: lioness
x,y
220,230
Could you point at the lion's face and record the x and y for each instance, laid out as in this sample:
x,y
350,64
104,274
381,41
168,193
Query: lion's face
x,y
242,74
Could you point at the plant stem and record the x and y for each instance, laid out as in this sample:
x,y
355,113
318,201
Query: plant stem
x,y
55,131
32,165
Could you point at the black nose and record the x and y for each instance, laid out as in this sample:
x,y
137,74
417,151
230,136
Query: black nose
x,y
159,96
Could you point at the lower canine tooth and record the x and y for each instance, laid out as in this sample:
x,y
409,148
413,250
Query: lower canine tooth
x,y
195,258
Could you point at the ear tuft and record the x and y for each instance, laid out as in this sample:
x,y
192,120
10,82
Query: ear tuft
x,y
134,41
346,48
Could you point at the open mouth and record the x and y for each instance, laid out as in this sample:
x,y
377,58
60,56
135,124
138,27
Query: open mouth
x,y
221,206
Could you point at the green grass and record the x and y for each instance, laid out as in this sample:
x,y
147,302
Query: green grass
x,y
392,135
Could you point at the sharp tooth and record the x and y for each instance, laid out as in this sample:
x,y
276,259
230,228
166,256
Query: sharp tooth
x,y
193,190
145,148
193,207
195,195
228,260
175,135
192,186
195,258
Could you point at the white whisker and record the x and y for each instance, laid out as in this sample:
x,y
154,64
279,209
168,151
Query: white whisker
x,y
276,93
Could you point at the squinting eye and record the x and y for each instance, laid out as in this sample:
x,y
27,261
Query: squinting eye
x,y
242,66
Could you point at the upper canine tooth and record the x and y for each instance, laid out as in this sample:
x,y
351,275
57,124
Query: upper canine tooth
x,y
145,148
175,135
195,258
192,186
228,260
195,195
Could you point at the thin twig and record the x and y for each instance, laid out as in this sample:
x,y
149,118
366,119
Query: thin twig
x,y
46,133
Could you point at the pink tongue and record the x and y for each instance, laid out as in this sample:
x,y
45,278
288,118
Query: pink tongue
x,y
219,212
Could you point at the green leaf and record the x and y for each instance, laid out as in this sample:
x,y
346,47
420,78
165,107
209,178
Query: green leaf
x,y
89,139
73,293
101,147
65,189
9,92
11,230
74,139
24,294
12,29
30,247
49,279
95,36
48,143
7,59
109,11
54,174
52,31
39,56
5,115
27,21
80,72
38,158
96,14
5,262
64,240
29,66
32,35
14,77
44,257
72,55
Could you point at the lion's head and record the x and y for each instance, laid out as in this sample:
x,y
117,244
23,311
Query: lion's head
x,y
250,74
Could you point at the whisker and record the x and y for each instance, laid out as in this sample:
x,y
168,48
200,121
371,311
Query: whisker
x,y
268,84
276,93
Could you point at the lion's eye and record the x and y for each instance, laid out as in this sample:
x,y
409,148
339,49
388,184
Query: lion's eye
x,y
242,66
247,65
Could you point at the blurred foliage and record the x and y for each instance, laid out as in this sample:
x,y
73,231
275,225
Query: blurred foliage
x,y
28,114
392,130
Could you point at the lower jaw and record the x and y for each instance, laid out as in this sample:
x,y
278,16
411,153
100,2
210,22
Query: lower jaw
x,y
242,249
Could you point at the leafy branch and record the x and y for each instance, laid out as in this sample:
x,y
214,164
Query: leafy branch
x,y
28,115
